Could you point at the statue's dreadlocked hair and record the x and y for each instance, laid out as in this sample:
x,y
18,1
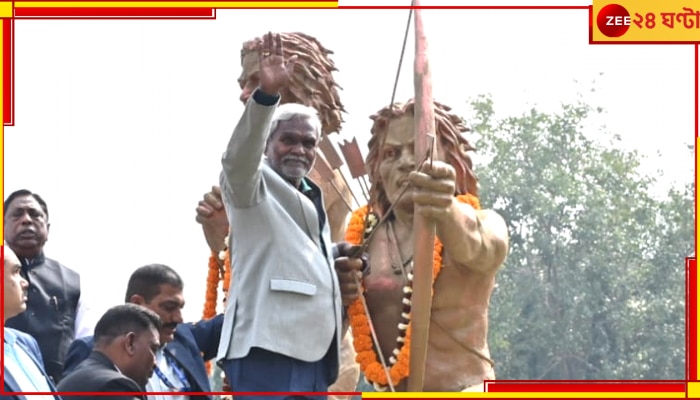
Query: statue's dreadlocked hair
x,y
449,131
312,82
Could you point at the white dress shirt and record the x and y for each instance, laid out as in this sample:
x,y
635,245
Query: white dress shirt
x,y
84,321
156,384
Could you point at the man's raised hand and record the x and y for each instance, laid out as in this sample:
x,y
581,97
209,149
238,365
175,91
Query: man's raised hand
x,y
274,69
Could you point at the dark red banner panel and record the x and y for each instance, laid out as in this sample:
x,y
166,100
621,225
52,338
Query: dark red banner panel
x,y
691,317
115,12
586,387
8,72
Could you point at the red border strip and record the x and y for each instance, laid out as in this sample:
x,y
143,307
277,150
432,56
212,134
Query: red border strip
x,y
503,387
8,66
114,12
691,287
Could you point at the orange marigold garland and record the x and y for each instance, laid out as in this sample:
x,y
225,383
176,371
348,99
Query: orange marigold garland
x,y
362,340
212,288
212,294
227,274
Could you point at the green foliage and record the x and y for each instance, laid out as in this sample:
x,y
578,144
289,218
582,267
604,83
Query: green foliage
x,y
594,284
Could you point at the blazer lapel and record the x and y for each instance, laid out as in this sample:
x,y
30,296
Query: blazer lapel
x,y
310,218
305,215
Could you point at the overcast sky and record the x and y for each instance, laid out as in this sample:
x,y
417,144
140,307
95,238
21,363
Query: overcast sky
x,y
120,125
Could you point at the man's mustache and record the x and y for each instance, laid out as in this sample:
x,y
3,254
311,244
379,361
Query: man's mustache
x,y
296,158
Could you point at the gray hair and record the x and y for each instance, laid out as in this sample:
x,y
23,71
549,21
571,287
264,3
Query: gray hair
x,y
290,111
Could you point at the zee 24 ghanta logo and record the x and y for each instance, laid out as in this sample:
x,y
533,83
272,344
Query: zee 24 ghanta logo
x,y
614,20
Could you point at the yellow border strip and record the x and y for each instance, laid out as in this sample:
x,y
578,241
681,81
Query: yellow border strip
x,y
6,9
693,389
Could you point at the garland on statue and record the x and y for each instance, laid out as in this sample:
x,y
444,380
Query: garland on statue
x,y
362,339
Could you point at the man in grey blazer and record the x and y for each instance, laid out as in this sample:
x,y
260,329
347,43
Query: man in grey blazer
x,y
283,322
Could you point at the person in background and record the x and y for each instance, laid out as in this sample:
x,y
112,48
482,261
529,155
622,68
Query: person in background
x,y
56,313
23,366
124,356
185,346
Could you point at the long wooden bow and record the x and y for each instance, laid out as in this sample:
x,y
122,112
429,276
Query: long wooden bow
x,y
423,229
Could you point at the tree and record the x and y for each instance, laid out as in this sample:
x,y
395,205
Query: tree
x,y
594,284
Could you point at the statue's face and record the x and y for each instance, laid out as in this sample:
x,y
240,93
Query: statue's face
x,y
249,79
397,160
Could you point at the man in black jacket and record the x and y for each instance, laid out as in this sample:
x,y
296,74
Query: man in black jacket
x,y
55,313
124,356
